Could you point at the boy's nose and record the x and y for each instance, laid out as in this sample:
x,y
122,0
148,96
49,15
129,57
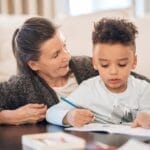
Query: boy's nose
x,y
113,70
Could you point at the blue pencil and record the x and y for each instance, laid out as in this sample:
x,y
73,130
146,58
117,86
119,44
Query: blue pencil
x,y
68,102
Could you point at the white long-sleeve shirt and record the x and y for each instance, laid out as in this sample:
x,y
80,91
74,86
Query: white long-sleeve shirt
x,y
111,107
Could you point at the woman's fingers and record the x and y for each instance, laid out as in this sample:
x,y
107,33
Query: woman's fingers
x,y
35,105
31,113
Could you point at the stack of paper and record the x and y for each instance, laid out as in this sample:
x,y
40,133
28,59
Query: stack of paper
x,y
53,141
113,128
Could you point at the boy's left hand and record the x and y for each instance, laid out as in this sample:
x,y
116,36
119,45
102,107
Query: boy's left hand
x,y
142,120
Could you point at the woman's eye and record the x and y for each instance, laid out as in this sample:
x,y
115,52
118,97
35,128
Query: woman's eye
x,y
56,54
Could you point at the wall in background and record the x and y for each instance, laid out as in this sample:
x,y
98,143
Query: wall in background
x,y
63,8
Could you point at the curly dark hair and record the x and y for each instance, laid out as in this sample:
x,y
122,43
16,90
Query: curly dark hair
x,y
114,31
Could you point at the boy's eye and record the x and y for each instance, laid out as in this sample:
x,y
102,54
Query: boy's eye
x,y
104,65
65,46
122,65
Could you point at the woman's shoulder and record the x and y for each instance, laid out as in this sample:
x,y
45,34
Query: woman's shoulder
x,y
16,86
22,78
81,59
82,67
16,82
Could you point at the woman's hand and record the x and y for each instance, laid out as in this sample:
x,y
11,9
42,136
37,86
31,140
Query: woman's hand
x,y
30,113
78,117
142,120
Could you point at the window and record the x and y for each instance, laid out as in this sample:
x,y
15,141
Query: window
x,y
89,6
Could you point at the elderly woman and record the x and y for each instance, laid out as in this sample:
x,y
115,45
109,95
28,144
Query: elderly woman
x,y
46,71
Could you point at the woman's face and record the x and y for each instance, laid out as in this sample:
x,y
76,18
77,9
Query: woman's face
x,y
54,58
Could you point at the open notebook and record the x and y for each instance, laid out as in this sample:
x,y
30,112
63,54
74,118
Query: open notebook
x,y
112,128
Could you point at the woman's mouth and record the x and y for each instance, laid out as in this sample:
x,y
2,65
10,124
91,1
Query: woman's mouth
x,y
65,66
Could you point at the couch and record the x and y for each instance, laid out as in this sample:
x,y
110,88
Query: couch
x,y
78,35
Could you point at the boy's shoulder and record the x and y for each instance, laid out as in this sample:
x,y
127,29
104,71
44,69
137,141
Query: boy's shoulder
x,y
137,82
140,76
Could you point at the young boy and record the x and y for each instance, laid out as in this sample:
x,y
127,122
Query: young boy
x,y
114,96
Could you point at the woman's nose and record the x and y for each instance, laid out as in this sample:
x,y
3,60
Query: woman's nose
x,y
66,55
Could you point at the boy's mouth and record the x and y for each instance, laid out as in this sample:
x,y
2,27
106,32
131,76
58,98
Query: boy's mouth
x,y
114,81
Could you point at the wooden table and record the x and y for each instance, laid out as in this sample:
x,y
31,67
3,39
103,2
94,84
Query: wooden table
x,y
10,136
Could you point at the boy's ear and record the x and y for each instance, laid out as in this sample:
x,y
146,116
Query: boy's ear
x,y
33,65
135,62
94,64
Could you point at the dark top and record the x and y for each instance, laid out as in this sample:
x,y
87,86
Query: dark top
x,y
23,89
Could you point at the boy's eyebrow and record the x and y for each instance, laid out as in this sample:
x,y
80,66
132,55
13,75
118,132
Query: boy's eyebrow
x,y
124,58
120,59
102,59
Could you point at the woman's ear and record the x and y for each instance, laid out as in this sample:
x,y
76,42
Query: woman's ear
x,y
33,65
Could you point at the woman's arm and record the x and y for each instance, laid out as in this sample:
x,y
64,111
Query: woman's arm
x,y
14,102
30,113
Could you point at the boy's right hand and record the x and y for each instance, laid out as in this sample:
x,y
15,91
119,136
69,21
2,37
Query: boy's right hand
x,y
78,117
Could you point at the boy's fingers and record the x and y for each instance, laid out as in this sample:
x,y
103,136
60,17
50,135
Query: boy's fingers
x,y
87,113
146,125
134,124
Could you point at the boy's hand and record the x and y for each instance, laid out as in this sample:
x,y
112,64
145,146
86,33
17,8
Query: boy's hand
x,y
142,120
78,117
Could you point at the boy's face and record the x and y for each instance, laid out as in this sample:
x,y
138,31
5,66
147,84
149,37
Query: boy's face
x,y
114,63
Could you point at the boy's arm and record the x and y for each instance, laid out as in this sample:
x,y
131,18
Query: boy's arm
x,y
143,117
66,115
78,117
56,113
144,102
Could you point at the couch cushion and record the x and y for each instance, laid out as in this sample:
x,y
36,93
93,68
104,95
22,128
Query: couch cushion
x,y
143,45
7,27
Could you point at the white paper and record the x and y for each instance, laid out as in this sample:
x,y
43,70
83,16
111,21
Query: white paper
x,y
112,128
57,141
